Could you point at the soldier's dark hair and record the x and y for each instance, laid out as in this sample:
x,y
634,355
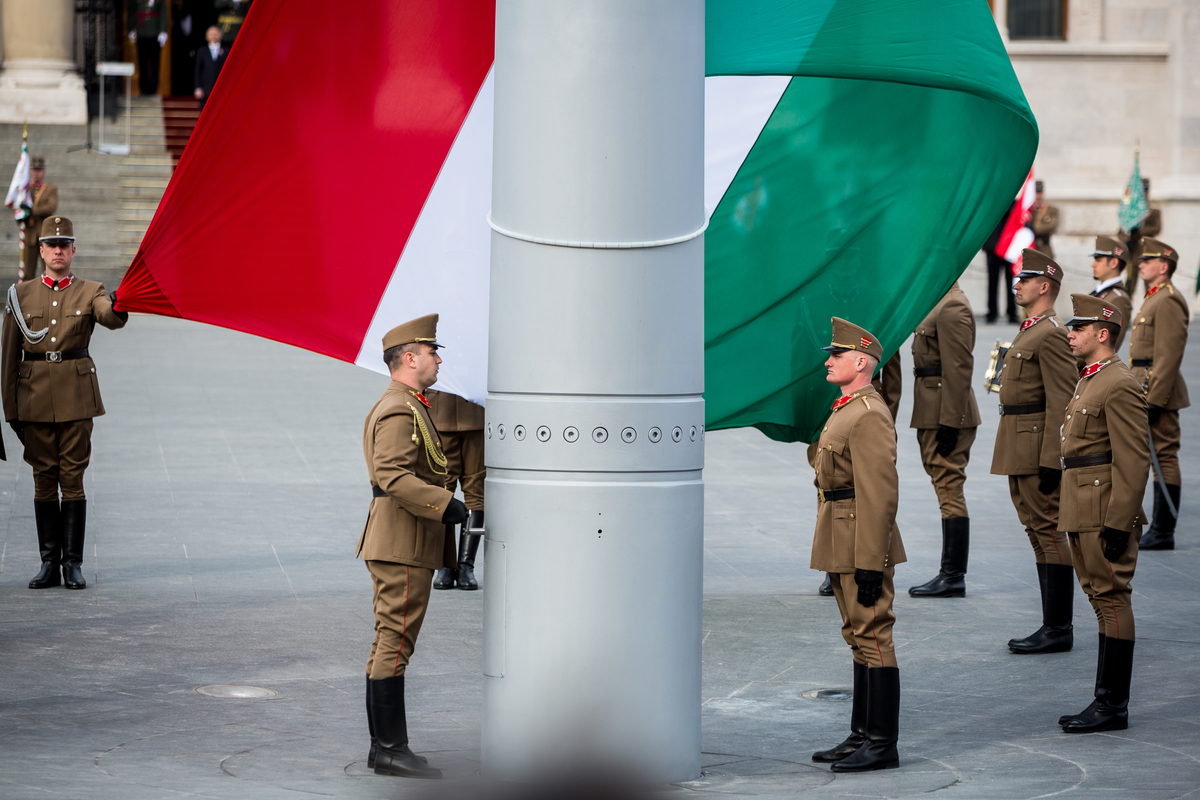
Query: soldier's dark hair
x,y
392,355
1171,269
1114,330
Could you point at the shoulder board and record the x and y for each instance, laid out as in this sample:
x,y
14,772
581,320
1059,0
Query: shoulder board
x,y
865,403
1055,321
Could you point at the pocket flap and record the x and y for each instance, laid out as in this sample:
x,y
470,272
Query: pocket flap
x,y
85,366
1093,476
1031,423
835,444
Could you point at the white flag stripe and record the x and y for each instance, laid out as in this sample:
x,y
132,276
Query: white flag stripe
x,y
445,265
736,107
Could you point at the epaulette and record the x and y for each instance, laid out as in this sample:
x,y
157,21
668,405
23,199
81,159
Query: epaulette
x,y
1052,319
865,403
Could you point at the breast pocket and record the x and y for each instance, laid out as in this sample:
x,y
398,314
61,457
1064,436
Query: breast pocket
x,y
1094,487
1018,365
923,344
1143,331
830,460
77,320
1094,424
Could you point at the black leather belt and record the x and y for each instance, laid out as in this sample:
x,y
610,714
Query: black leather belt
x,y
926,372
837,494
1024,408
1141,362
1075,462
377,492
54,356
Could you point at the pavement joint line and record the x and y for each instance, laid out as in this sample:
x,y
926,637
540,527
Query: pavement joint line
x,y
1082,769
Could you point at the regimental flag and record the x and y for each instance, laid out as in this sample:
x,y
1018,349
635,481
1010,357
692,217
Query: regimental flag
x,y
1017,233
18,198
857,154
1134,206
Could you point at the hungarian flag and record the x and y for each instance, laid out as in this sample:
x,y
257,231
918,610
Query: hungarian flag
x,y
858,153
1017,234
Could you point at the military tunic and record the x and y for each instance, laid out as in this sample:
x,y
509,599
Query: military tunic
x,y
1045,224
55,400
1156,343
857,451
943,365
1039,374
460,424
1106,421
403,540
1113,291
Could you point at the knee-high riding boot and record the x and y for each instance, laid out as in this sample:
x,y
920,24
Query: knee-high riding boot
x,y
468,546
447,577
1057,632
1161,535
49,533
951,578
858,722
883,724
392,755
74,524
1110,712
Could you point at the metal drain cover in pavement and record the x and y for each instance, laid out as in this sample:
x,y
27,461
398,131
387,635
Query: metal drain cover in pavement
x,y
828,694
237,692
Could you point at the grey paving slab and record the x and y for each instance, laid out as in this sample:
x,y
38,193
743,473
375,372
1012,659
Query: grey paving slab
x,y
225,496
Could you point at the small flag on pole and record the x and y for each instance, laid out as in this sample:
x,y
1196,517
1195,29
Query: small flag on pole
x,y
18,198
1134,207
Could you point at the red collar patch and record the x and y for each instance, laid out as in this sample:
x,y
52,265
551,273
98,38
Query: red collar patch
x,y
420,397
1029,323
58,285
1153,289
1093,369
841,401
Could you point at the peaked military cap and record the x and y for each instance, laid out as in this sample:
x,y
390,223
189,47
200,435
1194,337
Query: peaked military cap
x,y
57,229
1108,247
37,162
1036,264
1038,186
1153,248
1094,309
422,329
848,336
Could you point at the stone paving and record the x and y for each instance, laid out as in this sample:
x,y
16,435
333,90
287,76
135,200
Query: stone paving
x,y
226,493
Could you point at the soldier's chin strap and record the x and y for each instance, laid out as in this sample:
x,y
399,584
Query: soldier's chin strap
x,y
14,308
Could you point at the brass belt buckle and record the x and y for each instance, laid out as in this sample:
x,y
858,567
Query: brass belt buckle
x,y
54,356
1062,462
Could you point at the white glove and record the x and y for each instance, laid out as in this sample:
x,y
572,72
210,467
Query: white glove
x,y
133,36
162,39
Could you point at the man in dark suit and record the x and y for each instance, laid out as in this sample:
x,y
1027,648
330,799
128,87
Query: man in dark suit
x,y
209,61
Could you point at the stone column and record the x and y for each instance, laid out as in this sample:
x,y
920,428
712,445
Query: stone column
x,y
40,82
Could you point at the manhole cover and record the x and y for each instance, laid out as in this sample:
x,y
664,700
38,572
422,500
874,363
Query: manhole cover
x,y
828,694
237,692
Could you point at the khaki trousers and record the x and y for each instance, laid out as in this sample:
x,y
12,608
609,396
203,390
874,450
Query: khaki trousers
x,y
59,452
1107,584
464,464
401,594
1039,514
868,631
1166,445
948,473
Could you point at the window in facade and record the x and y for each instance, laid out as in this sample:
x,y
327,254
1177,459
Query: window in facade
x,y
1037,19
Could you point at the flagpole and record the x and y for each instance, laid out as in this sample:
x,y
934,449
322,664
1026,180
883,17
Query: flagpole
x,y
21,222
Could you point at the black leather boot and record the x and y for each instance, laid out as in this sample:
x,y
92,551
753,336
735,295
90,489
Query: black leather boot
x,y
858,722
49,533
1111,711
73,519
392,756
446,577
956,545
1057,634
468,546
370,728
826,587
883,724
1065,718
1161,535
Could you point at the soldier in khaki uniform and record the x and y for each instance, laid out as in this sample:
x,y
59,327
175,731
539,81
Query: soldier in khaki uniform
x,y
1151,226
890,385
404,539
946,417
1156,344
1043,220
51,395
1108,261
858,543
1105,458
45,202
460,423
1039,373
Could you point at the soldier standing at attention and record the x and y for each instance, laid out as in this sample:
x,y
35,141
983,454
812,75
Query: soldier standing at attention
x,y
1106,457
858,543
1156,346
51,395
1109,259
1039,373
890,385
1043,220
404,539
147,23
946,418
45,202
460,423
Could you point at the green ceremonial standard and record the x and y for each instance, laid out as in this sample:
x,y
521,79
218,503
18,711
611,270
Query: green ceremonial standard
x,y
890,154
